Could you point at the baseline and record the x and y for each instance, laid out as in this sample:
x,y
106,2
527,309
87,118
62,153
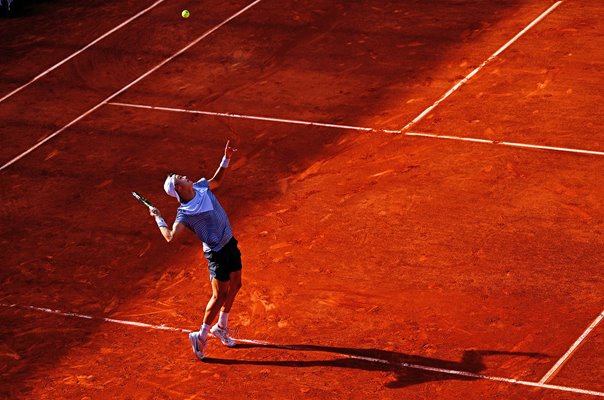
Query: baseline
x,y
375,360
128,86
81,50
359,128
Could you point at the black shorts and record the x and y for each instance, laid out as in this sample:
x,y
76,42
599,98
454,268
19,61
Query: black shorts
x,y
221,263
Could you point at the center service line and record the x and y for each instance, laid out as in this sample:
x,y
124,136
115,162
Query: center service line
x,y
375,360
475,71
193,43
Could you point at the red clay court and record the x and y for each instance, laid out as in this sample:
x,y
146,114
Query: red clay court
x,y
418,198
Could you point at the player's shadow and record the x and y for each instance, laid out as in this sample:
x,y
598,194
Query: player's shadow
x,y
408,369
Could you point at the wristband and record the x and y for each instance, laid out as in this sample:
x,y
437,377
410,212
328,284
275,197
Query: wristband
x,y
160,222
225,162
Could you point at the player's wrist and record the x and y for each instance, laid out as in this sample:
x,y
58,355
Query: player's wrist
x,y
161,223
225,162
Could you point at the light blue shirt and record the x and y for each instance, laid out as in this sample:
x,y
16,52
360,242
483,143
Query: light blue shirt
x,y
206,218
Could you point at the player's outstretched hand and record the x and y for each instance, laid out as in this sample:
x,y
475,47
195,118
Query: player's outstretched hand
x,y
229,150
154,212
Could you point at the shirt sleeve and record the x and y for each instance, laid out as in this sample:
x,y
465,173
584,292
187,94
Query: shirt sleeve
x,y
202,183
180,218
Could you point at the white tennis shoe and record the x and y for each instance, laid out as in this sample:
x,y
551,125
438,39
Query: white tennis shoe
x,y
223,335
198,344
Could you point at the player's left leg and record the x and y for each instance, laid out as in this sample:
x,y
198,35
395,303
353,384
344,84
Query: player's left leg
x,y
234,266
199,339
220,329
235,285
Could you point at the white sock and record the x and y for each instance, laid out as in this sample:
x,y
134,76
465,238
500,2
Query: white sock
x,y
205,328
223,320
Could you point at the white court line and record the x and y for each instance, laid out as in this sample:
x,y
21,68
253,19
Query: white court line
x,y
287,121
360,128
554,370
193,43
475,71
371,359
512,144
81,50
116,321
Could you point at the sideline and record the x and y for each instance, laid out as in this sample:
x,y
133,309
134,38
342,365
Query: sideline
x,y
475,71
81,50
554,370
128,86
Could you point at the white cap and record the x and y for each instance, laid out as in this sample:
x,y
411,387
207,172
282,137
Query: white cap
x,y
169,187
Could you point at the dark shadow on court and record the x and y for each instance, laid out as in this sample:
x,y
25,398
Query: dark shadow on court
x,y
98,265
408,369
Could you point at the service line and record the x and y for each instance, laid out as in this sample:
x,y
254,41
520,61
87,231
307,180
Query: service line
x,y
359,128
81,50
252,117
475,71
128,86
512,144
554,370
371,359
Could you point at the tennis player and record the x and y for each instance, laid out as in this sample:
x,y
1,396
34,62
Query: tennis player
x,y
201,212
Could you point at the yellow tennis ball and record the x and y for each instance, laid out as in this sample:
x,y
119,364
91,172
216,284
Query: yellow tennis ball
x,y
185,13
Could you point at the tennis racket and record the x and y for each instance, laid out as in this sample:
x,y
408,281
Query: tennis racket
x,y
143,200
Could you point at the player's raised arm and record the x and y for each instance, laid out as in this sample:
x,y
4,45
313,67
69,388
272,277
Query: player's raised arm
x,y
167,233
224,164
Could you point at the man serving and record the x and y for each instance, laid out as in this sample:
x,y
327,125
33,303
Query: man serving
x,y
201,212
